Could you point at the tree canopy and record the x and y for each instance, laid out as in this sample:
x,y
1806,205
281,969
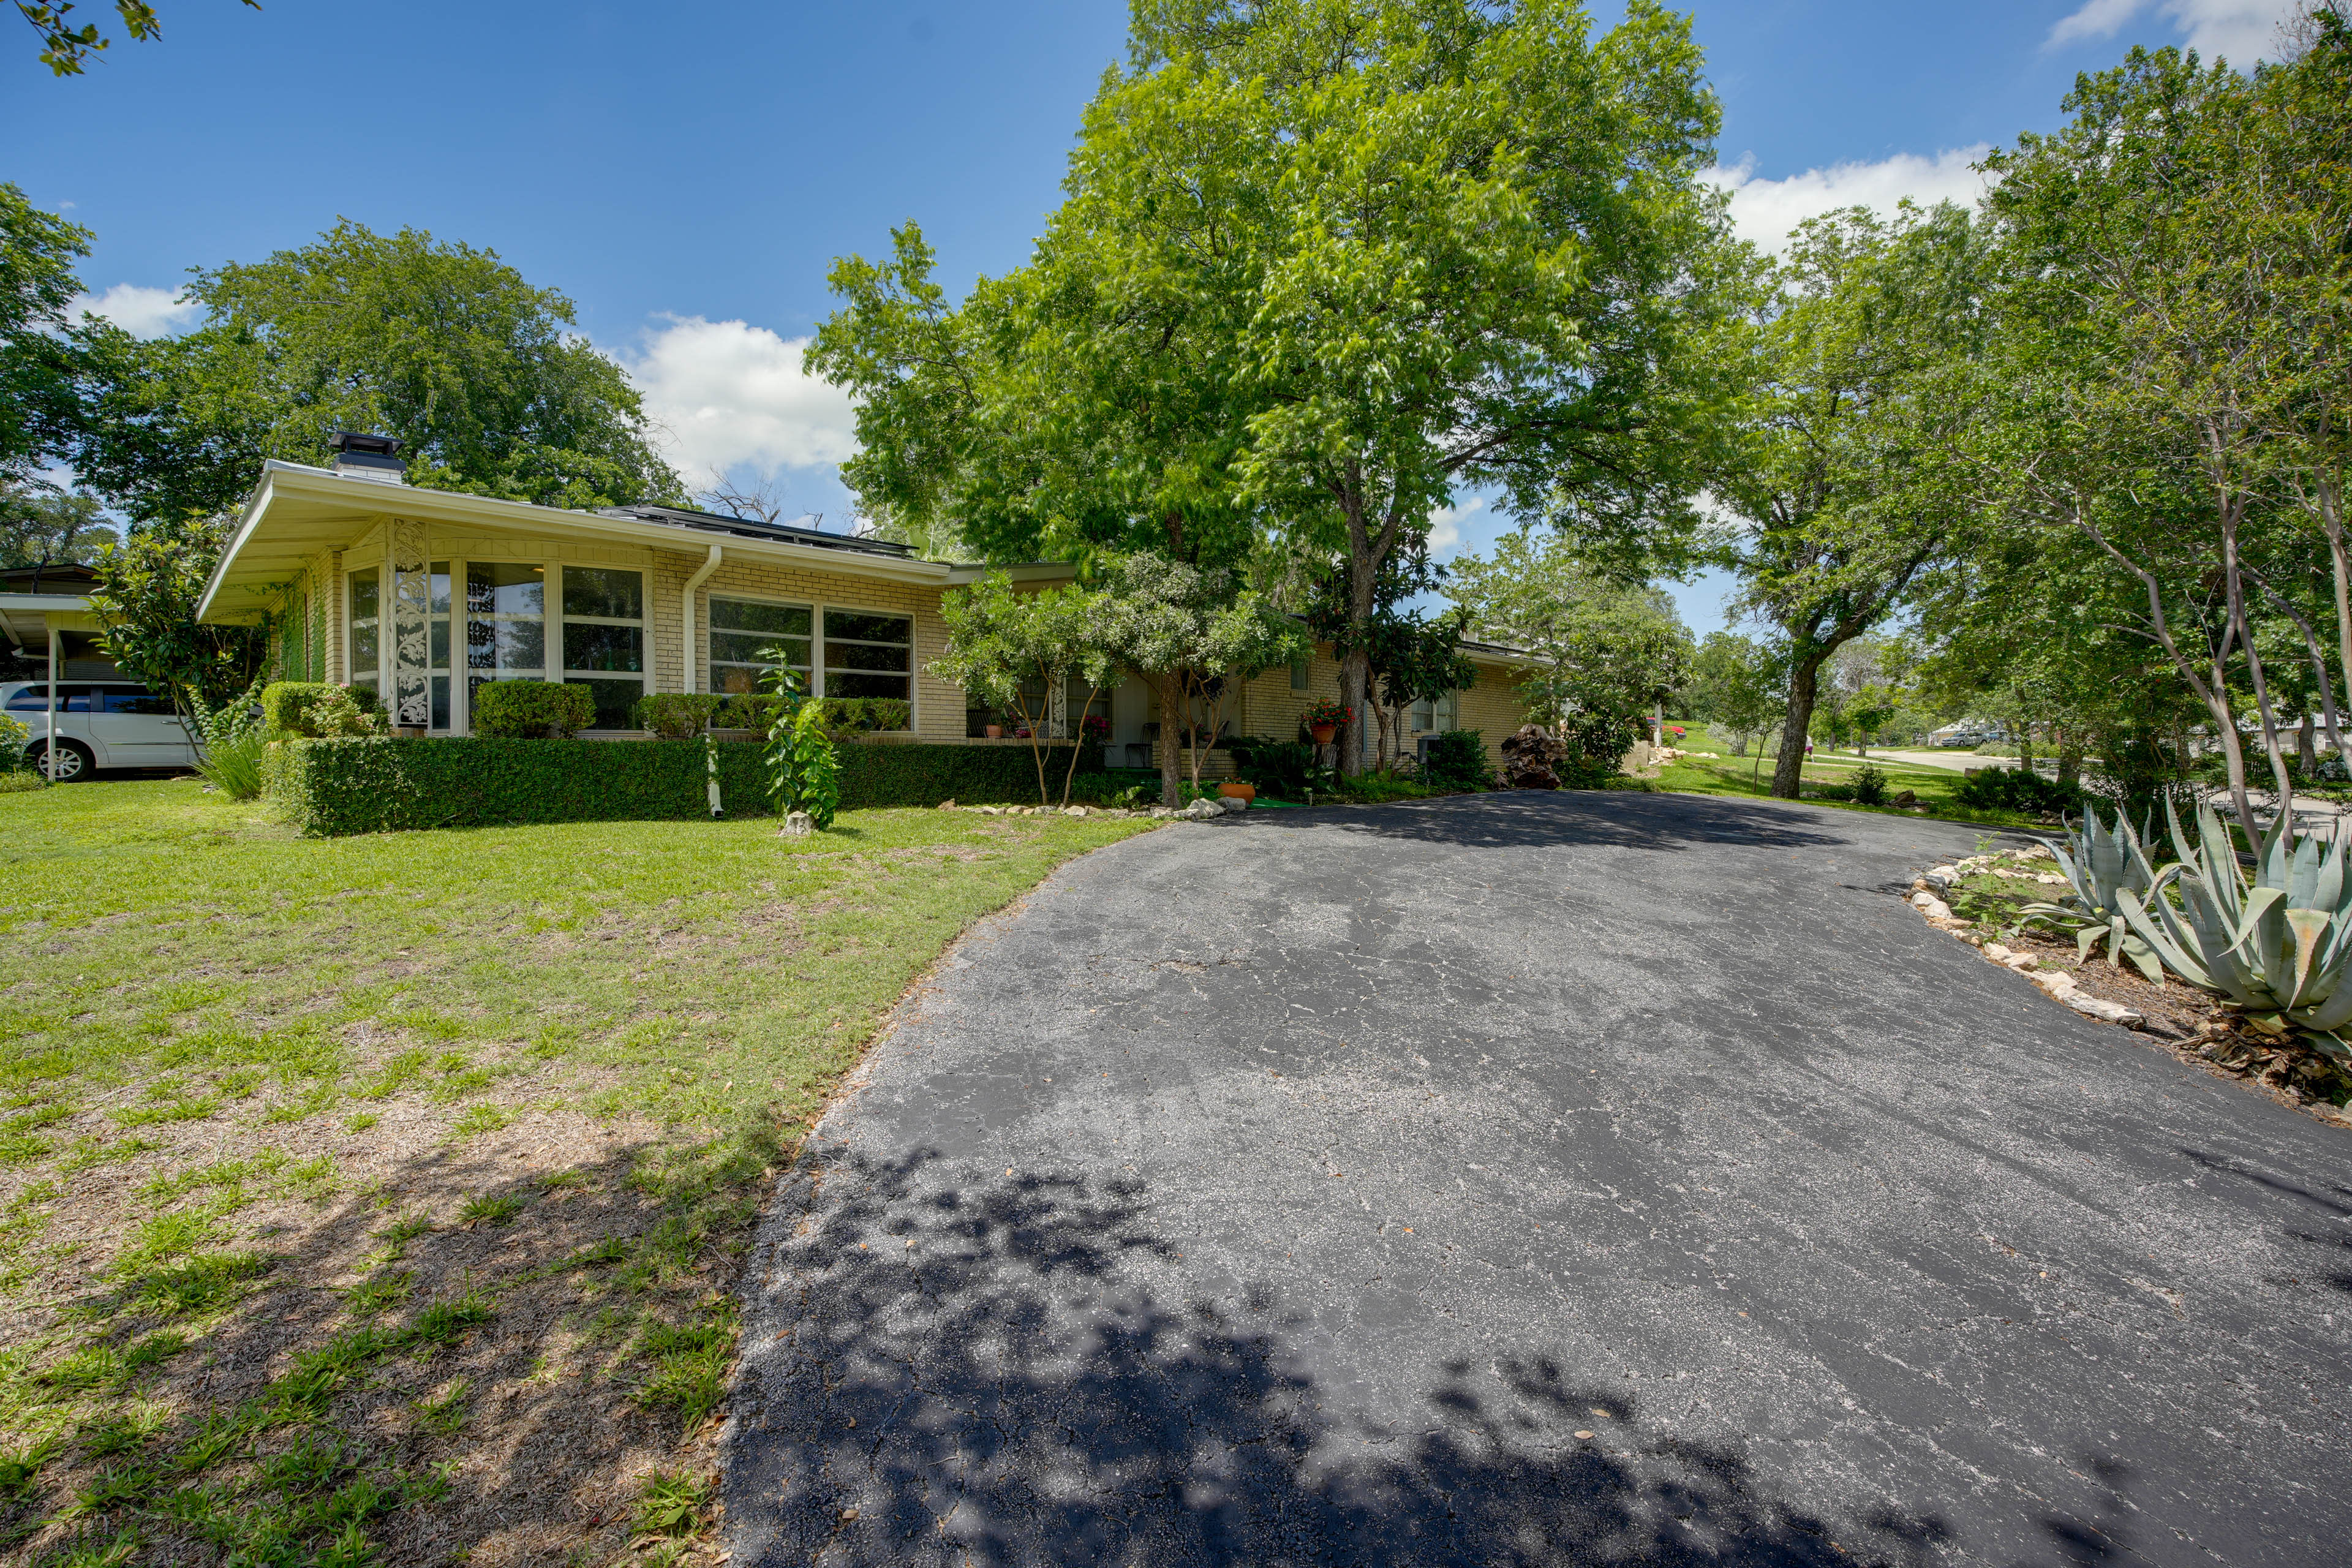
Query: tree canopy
x,y
1321,265
479,372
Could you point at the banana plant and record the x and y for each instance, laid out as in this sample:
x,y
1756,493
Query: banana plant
x,y
2101,866
2277,943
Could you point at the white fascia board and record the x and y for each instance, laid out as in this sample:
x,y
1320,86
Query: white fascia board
x,y
290,482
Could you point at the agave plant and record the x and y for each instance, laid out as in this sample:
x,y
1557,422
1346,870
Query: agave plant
x,y
2101,866
2278,945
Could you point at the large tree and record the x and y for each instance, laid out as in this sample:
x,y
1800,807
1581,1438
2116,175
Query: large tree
x,y
37,252
1853,479
1323,264
480,374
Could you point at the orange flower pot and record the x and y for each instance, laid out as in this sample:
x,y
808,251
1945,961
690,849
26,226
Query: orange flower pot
x,y
1323,733
1234,789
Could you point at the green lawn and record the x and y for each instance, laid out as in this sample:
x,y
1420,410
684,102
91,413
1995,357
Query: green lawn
x,y
379,1199
1752,775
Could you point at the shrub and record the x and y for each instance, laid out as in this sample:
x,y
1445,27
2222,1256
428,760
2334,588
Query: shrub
x,y
1587,772
1869,785
1603,737
530,710
676,715
376,786
1105,789
845,718
318,710
2021,790
1285,770
1457,760
804,768
233,766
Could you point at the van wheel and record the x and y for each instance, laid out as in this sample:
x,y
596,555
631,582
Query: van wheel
x,y
74,761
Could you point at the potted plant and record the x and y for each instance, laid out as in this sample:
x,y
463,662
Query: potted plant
x,y
1324,719
994,730
1238,789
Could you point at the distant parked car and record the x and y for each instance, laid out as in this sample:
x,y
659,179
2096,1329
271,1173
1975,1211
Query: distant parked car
x,y
99,724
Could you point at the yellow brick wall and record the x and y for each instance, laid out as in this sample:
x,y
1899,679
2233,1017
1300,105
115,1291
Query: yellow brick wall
x,y
1268,706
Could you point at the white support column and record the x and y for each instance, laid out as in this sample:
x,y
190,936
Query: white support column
x,y
50,750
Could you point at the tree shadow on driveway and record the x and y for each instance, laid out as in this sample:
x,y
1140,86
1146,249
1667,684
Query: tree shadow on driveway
x,y
987,1375
1528,819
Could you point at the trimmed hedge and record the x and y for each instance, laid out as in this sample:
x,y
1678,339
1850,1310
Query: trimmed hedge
x,y
530,710
376,784
316,708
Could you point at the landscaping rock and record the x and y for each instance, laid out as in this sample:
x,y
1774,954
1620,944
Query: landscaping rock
x,y
1934,908
2056,982
1074,811
2100,1007
992,811
1530,754
1944,876
1234,806
1905,797
798,825
947,805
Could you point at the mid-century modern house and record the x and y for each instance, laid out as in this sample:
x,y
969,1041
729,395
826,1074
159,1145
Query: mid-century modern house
x,y
424,594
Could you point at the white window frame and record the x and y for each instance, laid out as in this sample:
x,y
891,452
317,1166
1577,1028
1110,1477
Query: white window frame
x,y
375,678
461,611
561,662
711,628
816,652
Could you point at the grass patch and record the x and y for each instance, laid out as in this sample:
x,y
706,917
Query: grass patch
x,y
1752,775
585,1048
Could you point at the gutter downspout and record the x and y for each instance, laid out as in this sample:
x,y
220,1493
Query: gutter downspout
x,y
702,574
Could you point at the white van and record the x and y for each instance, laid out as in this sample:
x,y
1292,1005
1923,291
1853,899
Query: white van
x,y
100,725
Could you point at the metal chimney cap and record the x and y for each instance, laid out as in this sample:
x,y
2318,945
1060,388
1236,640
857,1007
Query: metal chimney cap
x,y
354,441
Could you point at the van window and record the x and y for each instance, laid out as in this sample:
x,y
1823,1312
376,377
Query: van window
x,y
32,699
134,699
74,698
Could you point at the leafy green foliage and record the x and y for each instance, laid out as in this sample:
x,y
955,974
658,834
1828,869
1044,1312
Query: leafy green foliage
x,y
1457,759
1285,770
318,710
1869,785
376,786
671,1503
531,710
676,715
37,285
1607,651
66,48
1018,652
2019,790
1198,637
148,589
484,379
41,528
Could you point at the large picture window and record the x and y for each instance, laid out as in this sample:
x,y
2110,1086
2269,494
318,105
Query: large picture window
x,y
605,640
367,628
742,631
505,624
868,655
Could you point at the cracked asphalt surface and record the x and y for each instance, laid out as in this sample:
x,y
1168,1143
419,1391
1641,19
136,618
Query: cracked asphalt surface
x,y
1530,1179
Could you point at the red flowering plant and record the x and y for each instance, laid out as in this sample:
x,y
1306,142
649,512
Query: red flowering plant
x,y
1328,713
1094,727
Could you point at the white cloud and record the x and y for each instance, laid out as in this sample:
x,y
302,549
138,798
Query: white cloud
x,y
142,311
1445,524
2241,31
1764,211
731,394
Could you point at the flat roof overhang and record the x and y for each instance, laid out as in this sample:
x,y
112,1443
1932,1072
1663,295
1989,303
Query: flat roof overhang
x,y
296,513
25,617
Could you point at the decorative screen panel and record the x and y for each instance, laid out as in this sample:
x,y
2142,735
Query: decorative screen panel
x,y
412,610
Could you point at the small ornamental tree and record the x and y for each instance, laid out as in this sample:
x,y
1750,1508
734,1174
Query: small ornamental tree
x,y
803,771
148,588
1015,651
1197,638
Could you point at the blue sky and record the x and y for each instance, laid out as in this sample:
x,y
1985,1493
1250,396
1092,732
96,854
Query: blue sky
x,y
686,172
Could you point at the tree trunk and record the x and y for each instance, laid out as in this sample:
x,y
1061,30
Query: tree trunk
x,y
2331,517
2305,752
2070,757
1172,728
2025,747
1804,686
2235,585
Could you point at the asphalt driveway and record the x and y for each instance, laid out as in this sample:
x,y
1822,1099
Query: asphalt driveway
x,y
1532,1179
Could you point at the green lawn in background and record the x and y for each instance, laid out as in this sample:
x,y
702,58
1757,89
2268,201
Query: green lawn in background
x,y
1752,775
455,1134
